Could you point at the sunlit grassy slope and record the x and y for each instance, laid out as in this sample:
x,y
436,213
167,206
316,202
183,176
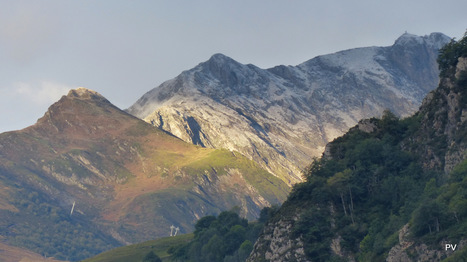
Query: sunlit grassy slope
x,y
136,253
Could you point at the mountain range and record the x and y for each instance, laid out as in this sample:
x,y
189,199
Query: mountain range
x,y
283,117
390,189
88,176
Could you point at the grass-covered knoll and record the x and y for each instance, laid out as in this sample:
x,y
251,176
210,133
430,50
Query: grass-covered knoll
x,y
222,161
137,252
157,211
188,187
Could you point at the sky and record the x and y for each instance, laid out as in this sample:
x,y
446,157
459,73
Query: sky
x,y
122,49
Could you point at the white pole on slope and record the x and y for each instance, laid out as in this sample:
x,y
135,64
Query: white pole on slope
x,y
172,227
72,208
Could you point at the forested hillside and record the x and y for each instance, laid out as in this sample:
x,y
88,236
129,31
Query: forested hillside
x,y
389,190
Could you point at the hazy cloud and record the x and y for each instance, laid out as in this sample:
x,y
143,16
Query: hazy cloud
x,y
24,102
42,93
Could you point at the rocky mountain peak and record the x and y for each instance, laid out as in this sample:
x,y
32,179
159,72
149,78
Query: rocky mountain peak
x,y
84,93
436,40
408,38
222,68
218,62
81,111
220,58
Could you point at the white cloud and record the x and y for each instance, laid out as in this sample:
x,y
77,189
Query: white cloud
x,y
41,93
24,102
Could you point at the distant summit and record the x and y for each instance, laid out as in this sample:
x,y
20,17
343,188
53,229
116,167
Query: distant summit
x,y
436,40
220,59
283,116
81,112
83,92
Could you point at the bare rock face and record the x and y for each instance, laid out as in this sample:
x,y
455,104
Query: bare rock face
x,y
457,120
284,116
277,246
408,251
444,114
397,253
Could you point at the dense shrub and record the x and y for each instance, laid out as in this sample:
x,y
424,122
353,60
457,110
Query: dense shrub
x,y
227,237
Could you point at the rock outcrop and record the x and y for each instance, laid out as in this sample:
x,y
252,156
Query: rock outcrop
x,y
277,246
408,251
444,121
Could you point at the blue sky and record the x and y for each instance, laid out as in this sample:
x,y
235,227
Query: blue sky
x,y
122,49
